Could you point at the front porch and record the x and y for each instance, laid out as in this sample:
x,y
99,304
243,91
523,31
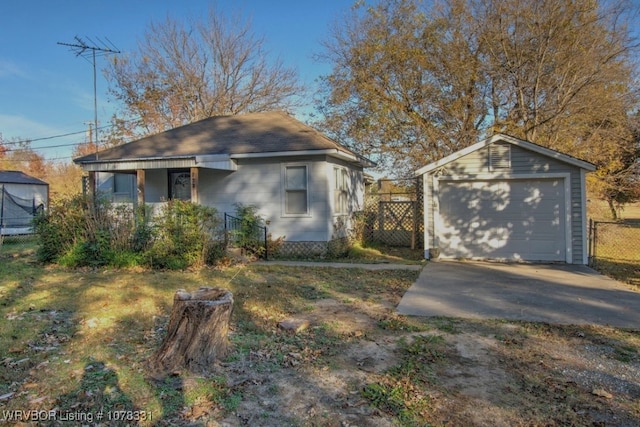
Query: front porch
x,y
153,181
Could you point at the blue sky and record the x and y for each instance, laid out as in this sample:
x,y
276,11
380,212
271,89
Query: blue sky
x,y
45,90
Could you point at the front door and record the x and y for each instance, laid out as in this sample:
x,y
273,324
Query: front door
x,y
180,185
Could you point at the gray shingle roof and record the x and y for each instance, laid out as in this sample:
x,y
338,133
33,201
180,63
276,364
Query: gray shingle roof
x,y
239,134
17,177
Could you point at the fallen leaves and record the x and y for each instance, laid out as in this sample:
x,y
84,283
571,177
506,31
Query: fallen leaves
x,y
600,392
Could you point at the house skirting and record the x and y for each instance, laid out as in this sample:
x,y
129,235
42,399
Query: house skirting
x,y
306,250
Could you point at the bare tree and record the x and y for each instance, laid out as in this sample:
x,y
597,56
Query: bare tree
x,y
554,63
184,72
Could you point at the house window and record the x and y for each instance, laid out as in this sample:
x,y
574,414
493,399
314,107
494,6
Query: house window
x,y
180,185
121,183
340,190
122,187
296,201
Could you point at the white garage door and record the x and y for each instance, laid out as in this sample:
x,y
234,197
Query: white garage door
x,y
507,219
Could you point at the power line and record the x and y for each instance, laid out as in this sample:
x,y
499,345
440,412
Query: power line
x,y
44,148
28,160
29,140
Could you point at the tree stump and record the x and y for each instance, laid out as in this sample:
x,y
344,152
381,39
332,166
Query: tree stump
x,y
197,331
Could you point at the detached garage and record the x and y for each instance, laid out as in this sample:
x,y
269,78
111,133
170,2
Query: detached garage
x,y
506,199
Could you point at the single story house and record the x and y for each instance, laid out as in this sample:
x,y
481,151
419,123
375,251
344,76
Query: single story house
x,y
506,199
21,197
304,184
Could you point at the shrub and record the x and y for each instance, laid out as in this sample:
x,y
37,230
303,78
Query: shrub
x,y
251,236
79,232
50,237
185,234
76,228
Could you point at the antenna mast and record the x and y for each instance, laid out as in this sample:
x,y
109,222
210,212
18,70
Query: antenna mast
x,y
91,50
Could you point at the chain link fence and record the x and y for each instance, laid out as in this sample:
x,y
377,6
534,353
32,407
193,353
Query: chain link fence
x,y
15,243
614,249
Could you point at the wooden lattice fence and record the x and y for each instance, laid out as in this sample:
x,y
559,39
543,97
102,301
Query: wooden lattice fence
x,y
395,219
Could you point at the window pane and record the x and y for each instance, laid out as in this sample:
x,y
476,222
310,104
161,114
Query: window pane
x,y
296,202
296,177
121,183
343,202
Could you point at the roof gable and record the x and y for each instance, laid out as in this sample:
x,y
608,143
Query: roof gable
x,y
246,134
18,177
511,140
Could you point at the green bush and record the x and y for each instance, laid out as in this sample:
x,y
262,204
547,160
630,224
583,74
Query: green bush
x,y
77,229
185,234
251,236
50,237
81,232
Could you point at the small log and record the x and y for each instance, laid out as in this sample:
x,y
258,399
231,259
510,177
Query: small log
x,y
197,331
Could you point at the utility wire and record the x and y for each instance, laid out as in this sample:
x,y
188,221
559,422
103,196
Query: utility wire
x,y
44,138
29,140
45,148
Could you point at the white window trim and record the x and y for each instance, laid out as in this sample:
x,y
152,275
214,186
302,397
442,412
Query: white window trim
x,y
283,181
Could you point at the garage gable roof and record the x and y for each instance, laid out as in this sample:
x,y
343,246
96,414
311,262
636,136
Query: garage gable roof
x,y
511,140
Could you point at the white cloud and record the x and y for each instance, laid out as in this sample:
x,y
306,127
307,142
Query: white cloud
x,y
9,68
13,126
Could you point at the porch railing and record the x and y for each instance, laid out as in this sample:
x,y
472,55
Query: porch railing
x,y
245,235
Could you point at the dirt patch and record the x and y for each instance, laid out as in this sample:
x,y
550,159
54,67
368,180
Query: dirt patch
x,y
489,374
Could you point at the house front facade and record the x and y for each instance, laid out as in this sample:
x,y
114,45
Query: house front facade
x,y
305,185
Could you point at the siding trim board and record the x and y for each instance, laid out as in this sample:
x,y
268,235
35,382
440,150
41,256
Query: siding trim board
x,y
583,201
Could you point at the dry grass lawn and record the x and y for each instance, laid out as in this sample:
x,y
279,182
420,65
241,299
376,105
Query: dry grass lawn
x,y
77,343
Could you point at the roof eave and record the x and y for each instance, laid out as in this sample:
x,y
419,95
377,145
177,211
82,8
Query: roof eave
x,y
94,165
333,152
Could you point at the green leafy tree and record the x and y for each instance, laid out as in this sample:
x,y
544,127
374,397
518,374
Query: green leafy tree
x,y
413,81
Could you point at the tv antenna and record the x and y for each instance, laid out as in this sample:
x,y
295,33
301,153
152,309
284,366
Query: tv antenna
x,y
92,49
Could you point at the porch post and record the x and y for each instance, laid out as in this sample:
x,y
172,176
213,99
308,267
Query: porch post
x,y
92,185
140,178
195,184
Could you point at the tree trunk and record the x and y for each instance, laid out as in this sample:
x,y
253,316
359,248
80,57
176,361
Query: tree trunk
x,y
197,331
612,209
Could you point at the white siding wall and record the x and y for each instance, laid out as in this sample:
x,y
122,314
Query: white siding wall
x,y
260,183
355,189
156,186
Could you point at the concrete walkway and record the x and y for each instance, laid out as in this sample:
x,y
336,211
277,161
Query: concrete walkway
x,y
562,294
319,264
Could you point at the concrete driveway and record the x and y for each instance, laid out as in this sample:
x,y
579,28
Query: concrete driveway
x,y
564,294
